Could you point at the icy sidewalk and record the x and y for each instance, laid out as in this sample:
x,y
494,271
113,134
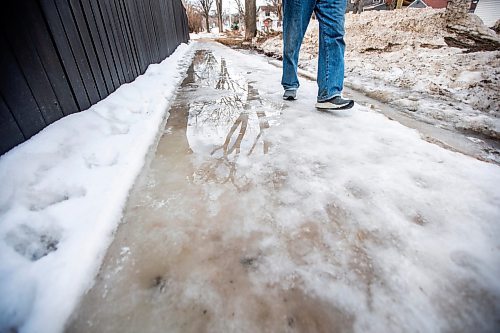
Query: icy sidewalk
x,y
258,215
62,194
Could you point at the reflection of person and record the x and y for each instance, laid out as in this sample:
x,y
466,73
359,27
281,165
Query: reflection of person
x,y
330,14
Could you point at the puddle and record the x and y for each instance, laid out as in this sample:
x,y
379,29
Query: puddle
x,y
191,258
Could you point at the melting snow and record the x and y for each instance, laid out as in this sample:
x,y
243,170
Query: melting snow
x,y
342,221
62,194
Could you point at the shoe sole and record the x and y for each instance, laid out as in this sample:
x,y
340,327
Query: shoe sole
x,y
289,98
330,106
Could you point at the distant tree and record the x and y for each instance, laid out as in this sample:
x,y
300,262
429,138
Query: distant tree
x,y
250,19
195,17
240,4
206,7
218,5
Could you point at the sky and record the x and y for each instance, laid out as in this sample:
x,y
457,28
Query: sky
x,y
232,4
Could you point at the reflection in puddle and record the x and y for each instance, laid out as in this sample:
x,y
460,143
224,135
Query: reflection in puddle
x,y
224,118
192,249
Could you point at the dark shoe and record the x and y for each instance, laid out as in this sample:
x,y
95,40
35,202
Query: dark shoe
x,y
335,103
290,95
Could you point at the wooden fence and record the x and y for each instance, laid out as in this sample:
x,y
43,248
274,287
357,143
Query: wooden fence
x,y
58,57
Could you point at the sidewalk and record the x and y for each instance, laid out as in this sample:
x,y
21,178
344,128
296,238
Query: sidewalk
x,y
256,214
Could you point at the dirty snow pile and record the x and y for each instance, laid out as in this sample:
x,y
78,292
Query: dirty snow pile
x,y
62,194
401,57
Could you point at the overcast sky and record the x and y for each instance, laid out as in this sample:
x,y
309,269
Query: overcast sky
x,y
232,4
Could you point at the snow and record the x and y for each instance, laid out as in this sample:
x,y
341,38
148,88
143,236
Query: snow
x,y
350,216
214,33
400,57
349,222
63,192
407,232
203,35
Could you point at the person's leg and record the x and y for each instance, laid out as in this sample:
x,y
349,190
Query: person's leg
x,y
296,17
355,6
330,14
360,6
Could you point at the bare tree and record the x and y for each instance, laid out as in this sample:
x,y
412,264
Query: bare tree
x,y
218,5
240,4
195,17
250,19
206,7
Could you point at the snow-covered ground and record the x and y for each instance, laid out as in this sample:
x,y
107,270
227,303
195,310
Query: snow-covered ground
x,y
214,33
263,215
62,193
345,219
204,35
401,57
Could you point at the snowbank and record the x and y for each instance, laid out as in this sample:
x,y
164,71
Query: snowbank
x,y
205,35
402,57
62,196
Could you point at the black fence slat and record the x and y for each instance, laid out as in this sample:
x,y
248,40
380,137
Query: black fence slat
x,y
40,37
136,28
171,22
101,10
134,68
97,43
17,94
58,57
152,31
88,48
161,35
123,39
29,63
164,16
115,29
67,59
130,36
78,49
10,132
147,35
176,17
98,31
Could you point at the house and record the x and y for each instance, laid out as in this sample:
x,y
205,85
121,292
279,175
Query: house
x,y
387,4
267,18
488,11
436,3
418,4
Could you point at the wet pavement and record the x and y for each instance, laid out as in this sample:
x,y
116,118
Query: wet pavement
x,y
214,241
181,251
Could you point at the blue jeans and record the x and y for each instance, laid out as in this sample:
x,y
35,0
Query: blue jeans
x,y
330,15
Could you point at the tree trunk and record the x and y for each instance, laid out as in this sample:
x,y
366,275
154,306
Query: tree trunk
x,y
207,23
218,4
280,10
250,19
